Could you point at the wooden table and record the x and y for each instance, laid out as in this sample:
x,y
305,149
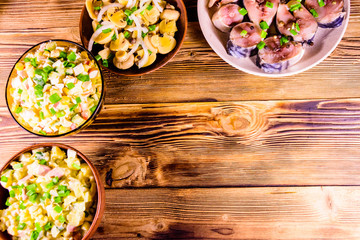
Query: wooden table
x,y
200,150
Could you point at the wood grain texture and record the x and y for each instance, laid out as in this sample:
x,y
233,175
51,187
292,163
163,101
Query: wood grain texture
x,y
232,213
257,143
204,76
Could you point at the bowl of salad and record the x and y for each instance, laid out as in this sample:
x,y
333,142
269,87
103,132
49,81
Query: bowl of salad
x,y
50,191
55,89
132,38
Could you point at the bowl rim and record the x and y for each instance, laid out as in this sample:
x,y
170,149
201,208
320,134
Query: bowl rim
x,y
200,4
173,52
100,206
93,115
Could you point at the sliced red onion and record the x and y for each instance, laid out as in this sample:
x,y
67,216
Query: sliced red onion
x,y
104,9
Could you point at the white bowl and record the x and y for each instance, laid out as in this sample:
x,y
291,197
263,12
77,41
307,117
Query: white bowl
x,y
325,42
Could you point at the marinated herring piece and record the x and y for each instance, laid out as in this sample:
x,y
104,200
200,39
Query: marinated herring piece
x,y
226,16
243,40
293,19
328,13
261,10
277,56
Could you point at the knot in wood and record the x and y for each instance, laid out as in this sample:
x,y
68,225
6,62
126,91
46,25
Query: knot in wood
x,y
242,121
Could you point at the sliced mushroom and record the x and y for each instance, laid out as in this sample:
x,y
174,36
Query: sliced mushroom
x,y
155,40
117,17
90,9
105,53
120,44
149,45
121,56
151,59
167,26
128,63
152,16
104,38
166,44
170,14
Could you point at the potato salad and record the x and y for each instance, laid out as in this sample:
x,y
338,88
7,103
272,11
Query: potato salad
x,y
132,31
55,89
51,196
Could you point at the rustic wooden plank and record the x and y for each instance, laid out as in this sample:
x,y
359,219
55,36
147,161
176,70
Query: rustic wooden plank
x,y
204,76
259,143
232,213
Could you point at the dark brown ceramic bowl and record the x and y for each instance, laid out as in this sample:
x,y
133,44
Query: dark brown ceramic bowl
x,y
100,207
86,32
62,43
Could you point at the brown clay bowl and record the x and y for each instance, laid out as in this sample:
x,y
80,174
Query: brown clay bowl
x,y
86,31
100,208
62,43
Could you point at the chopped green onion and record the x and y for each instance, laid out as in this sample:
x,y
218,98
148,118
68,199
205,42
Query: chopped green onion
x,y
48,69
143,35
45,196
243,33
58,209
128,12
261,45
21,226
50,185
293,32
76,166
114,37
18,165
33,197
30,192
12,193
57,199
98,26
71,56
74,107
78,100
93,109
107,30
20,91
150,52
54,98
18,110
269,4
22,206
42,162
83,77
297,27
129,21
42,115
48,226
105,63
126,34
264,25
18,218
111,56
70,85
97,8
97,57
62,54
263,34
27,59
34,235
60,114
55,180
133,9
33,62
31,186
62,219
149,7
38,227
295,6
39,91
52,110
243,11
42,132
152,27
321,3
39,103
4,179
142,12
7,203
314,13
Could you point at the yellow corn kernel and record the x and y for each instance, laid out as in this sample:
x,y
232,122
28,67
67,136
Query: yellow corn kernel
x,y
19,66
66,90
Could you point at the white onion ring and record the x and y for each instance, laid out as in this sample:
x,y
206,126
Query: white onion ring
x,y
97,33
157,5
130,3
104,9
133,50
142,3
145,58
